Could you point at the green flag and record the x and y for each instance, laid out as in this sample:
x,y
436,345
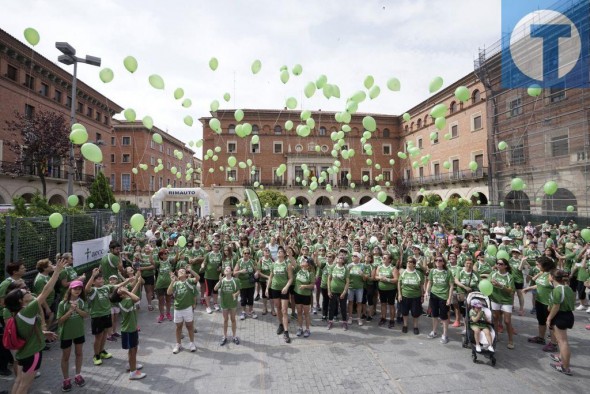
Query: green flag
x,y
254,203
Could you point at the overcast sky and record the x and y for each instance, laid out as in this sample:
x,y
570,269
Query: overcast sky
x,y
413,40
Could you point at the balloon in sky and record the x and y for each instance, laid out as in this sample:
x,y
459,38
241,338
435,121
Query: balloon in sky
x,y
214,106
148,122
238,115
188,120
435,84
226,97
32,36
438,111
129,114
256,66
91,152
156,81
284,76
130,64
213,63
178,93
297,69
186,103
394,84
106,75
374,92
369,123
309,89
291,103
283,210
368,82
79,136
157,138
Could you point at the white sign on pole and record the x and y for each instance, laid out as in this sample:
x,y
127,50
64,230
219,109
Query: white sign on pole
x,y
85,252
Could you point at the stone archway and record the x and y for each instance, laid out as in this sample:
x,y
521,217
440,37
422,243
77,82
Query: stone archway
x,y
558,202
28,197
517,201
407,199
57,199
322,203
229,206
364,200
388,201
345,199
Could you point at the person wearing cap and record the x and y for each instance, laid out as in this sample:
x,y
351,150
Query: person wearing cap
x,y
502,298
479,322
518,263
71,312
505,244
561,318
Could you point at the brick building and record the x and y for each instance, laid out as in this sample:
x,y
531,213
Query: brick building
x,y
30,82
131,145
461,141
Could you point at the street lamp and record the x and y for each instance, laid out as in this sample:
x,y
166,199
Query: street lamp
x,y
69,57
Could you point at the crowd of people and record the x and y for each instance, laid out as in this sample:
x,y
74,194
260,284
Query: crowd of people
x,y
381,272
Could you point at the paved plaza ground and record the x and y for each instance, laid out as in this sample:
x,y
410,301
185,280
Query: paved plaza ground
x,y
362,359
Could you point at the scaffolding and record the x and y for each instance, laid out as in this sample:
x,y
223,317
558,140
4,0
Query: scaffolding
x,y
546,136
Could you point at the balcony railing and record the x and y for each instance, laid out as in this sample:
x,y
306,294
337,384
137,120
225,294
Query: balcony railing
x,y
450,177
16,169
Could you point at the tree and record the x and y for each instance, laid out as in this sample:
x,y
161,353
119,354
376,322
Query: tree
x,y
38,140
100,192
273,198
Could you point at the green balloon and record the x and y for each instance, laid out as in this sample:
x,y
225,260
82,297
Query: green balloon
x,y
502,254
534,90
283,210
402,155
157,138
435,84
116,207
213,63
382,196
492,250
502,145
129,114
406,116
73,200
215,125
32,36
369,123
321,81
256,66
486,287
188,120
570,208
309,89
550,188
156,81
517,184
181,241
374,92
462,94
394,84
130,64
55,220
231,161
291,103
106,75
178,93
91,152
186,103
226,97
447,165
79,136
297,69
438,111
284,76
137,222
440,123
359,96
585,233
369,81
238,115
91,205
473,166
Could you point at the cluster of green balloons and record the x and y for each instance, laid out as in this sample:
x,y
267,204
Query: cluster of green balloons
x,y
78,135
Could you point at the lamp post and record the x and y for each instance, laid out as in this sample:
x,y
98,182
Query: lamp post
x,y
69,57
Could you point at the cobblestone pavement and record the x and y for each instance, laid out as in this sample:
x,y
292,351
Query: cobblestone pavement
x,y
362,359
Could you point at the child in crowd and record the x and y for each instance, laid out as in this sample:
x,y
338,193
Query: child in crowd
x,y
112,332
229,289
480,323
183,289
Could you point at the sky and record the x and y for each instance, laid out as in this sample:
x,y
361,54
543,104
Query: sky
x,y
412,40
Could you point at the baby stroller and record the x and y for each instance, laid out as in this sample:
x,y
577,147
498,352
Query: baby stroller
x,y
469,334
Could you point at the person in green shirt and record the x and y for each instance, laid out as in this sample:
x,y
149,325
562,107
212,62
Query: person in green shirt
x,y
263,272
165,264
502,298
323,272
69,273
440,291
518,264
386,275
304,284
183,289
111,263
561,318
466,280
280,279
24,307
244,270
228,289
356,290
338,283
44,268
543,286
147,269
71,312
410,294
211,269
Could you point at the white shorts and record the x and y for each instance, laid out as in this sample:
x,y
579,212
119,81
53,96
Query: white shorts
x,y
501,307
183,315
115,310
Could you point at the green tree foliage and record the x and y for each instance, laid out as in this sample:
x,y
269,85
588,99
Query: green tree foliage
x,y
100,192
272,198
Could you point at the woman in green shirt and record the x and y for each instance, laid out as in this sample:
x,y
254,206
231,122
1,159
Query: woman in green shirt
x,y
304,284
410,294
502,298
165,265
229,289
561,318
387,275
544,287
280,279
439,289
244,270
324,271
338,282
25,309
147,267
263,272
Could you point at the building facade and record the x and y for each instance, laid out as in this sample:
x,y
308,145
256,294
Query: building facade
x,y
132,145
28,83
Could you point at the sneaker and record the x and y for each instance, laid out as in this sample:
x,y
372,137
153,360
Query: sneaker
x,y
116,334
37,374
286,337
555,357
444,339
324,317
242,316
177,348
216,307
253,315
79,380
223,341
457,323
208,310
560,368
330,325
160,318
345,326
550,347
192,347
105,356
432,335
281,329
510,346
369,318
299,332
405,329
581,307
478,348
67,385
464,332
236,340
257,298
96,360
136,375
360,322
111,338
349,321
314,310
588,327
306,334
391,324
538,340
293,315
382,322
416,331
138,366
169,316
588,310
491,349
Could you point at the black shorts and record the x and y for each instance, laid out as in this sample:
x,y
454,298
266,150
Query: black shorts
x,y
263,288
302,299
277,294
99,324
129,340
413,305
542,313
210,287
518,286
387,296
581,290
32,363
292,289
149,280
438,307
563,320
66,343
161,292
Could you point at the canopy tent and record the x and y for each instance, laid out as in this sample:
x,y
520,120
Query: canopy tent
x,y
180,194
373,208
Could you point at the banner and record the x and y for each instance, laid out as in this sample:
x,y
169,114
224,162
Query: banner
x,y
254,203
85,252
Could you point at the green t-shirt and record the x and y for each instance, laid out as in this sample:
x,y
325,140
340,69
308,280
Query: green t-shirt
x,y
164,269
99,302
227,289
411,284
212,265
109,266
500,296
516,272
3,286
481,323
339,276
565,297
70,275
531,255
244,278
280,275
184,293
304,278
265,267
356,273
469,279
325,271
441,283
387,272
145,262
28,326
484,267
74,326
544,289
227,262
38,285
128,315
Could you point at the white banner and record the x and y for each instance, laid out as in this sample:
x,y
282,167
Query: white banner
x,y
85,252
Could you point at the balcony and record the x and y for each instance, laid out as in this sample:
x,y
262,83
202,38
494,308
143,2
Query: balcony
x,y
450,177
26,170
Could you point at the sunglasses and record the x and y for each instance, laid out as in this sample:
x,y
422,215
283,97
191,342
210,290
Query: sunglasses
x,y
500,264
438,260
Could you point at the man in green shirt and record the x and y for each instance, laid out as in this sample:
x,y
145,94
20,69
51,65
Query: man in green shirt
x,y
183,288
111,263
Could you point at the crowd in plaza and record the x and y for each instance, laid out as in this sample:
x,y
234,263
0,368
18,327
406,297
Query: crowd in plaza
x,y
379,272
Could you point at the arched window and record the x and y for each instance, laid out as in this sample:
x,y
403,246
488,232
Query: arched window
x,y
476,97
386,133
412,126
278,129
322,130
406,128
453,107
255,129
419,124
231,129
426,121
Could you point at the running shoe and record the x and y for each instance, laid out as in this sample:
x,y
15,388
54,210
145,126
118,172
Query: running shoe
x,y
281,329
138,366
550,347
236,340
538,340
405,329
382,322
257,298
349,320
360,322
104,355
580,307
160,318
416,331
330,325
478,348
286,337
560,368
555,357
208,310
299,332
444,339
223,341
136,375
314,310
306,334
216,307
177,348
345,326
111,338
79,380
457,324
116,334
432,335
67,385
242,316
391,324
97,360
369,318
169,316
253,315
192,347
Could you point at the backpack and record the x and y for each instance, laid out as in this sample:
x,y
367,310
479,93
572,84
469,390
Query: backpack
x,y
11,340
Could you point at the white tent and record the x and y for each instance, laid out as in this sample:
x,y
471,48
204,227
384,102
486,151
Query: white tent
x,y
373,208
